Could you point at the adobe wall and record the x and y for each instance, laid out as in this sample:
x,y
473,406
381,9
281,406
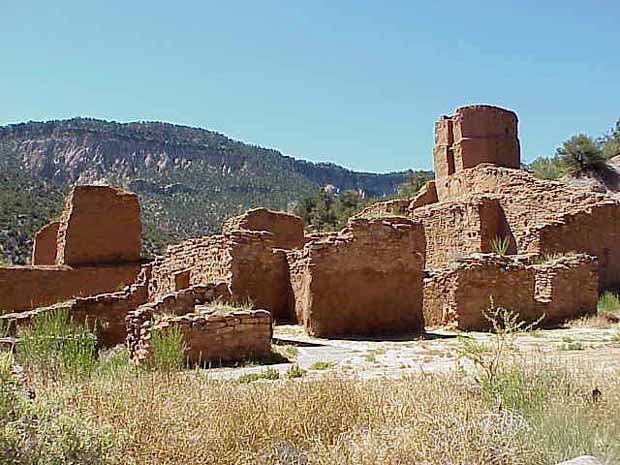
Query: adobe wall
x,y
27,287
458,296
454,229
104,313
365,280
100,224
244,259
45,244
473,135
287,230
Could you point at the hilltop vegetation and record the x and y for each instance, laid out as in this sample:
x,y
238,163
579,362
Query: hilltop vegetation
x,y
579,155
188,179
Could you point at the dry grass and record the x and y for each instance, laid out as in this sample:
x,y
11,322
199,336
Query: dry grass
x,y
183,418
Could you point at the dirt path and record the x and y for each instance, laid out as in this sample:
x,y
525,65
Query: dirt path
x,y
436,351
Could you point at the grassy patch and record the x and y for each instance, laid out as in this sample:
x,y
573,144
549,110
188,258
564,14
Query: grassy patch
x,y
168,349
294,372
608,303
321,365
53,345
269,373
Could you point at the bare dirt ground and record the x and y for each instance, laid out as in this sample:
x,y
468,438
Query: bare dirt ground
x,y
436,351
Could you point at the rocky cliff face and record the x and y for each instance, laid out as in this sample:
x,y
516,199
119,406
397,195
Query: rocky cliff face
x,y
189,180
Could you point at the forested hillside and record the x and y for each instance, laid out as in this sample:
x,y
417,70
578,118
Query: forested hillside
x,y
188,179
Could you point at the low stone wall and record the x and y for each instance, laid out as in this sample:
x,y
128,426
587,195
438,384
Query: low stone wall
x,y
104,313
27,287
365,280
566,287
209,335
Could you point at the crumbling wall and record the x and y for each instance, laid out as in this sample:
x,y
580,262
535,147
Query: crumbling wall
x,y
365,280
104,313
98,243
209,335
245,260
100,224
287,230
566,287
546,217
45,244
28,287
473,135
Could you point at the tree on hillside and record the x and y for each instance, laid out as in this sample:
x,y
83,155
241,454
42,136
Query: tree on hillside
x,y
547,167
581,153
328,212
611,142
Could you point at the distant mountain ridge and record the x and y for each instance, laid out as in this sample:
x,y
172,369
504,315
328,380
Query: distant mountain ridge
x,y
189,179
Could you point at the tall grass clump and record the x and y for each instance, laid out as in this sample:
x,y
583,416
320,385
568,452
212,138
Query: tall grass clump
x,y
53,345
500,245
608,303
168,349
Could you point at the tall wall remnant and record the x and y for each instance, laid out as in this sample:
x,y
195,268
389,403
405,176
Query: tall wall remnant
x,y
367,279
94,249
99,225
473,135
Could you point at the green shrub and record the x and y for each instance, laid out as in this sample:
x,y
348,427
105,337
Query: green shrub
x,y
54,345
168,349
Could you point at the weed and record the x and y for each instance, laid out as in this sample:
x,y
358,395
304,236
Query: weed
x,y
608,302
269,373
168,349
500,245
321,365
289,351
54,345
294,372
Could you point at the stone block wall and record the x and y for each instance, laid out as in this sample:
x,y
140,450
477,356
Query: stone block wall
x,y
455,229
208,334
246,260
566,287
45,244
287,230
365,280
100,224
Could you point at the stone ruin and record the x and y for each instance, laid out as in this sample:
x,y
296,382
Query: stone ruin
x,y
366,279
93,249
397,267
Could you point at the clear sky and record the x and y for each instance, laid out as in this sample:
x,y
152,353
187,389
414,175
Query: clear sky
x,y
359,83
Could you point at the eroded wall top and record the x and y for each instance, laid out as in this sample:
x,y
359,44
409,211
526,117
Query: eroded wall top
x,y
473,135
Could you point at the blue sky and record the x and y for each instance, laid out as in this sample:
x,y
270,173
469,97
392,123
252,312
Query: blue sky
x,y
359,83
